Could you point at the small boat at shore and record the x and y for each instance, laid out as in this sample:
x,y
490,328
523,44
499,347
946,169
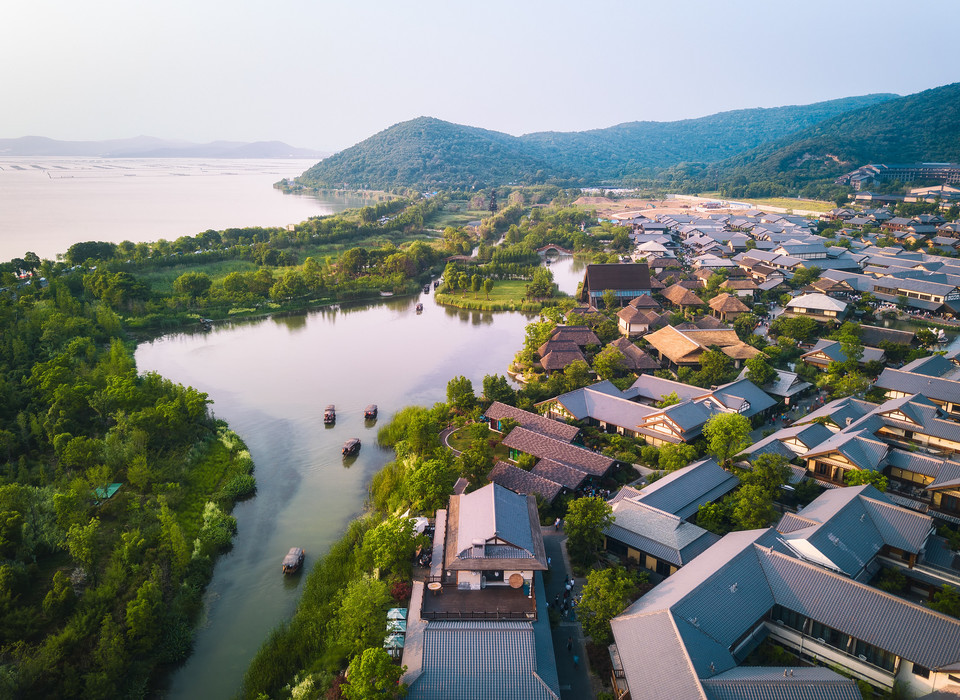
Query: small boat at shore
x,y
370,412
330,414
351,447
426,289
419,308
436,283
293,561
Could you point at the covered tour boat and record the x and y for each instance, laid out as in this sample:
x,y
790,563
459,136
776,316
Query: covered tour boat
x,y
370,412
330,414
351,446
293,561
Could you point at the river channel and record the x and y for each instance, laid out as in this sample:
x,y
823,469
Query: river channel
x,y
271,379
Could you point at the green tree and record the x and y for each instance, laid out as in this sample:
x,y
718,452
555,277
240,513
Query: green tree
x,y
192,284
476,462
487,287
390,545
584,524
802,276
430,483
460,394
605,595
714,517
946,600
475,283
667,400
860,477
610,363
82,541
728,434
673,457
715,367
143,615
759,372
361,615
576,375
847,385
497,388
373,674
752,507
610,299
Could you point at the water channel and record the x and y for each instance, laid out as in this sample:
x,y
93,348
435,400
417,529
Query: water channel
x,y
271,379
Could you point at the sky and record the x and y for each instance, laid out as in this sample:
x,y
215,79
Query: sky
x,y
325,75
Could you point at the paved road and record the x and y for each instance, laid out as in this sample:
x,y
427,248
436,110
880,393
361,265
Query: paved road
x,y
574,680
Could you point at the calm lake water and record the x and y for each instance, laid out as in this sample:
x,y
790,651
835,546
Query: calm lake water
x,y
48,204
271,379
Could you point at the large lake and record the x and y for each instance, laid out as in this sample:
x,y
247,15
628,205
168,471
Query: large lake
x,y
48,204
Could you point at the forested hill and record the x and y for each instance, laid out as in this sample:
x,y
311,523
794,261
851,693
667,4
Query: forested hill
x,y
921,127
427,152
622,151
432,153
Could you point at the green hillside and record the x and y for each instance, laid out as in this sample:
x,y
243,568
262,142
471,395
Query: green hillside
x,y
921,127
623,151
427,152
432,153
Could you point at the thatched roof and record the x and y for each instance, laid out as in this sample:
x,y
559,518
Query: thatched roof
x,y
581,335
644,301
681,296
557,346
553,361
686,346
636,359
727,303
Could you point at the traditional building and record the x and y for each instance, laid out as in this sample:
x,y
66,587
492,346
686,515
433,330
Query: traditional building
x,y
626,281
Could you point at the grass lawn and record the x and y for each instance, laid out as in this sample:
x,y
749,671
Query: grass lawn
x,y
455,213
503,291
460,441
161,279
782,202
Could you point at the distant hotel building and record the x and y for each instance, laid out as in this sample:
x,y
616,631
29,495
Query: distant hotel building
x,y
948,173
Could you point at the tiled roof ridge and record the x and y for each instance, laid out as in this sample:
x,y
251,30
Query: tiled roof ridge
x,y
769,551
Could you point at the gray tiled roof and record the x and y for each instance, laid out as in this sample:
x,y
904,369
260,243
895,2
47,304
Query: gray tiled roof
x,y
936,388
705,608
860,447
765,683
521,481
496,512
533,421
683,491
863,612
577,402
849,526
541,446
658,533
483,660
560,473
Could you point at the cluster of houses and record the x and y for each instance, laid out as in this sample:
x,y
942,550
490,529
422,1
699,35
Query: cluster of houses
x,y
478,625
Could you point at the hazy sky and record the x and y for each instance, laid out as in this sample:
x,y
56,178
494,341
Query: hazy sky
x,y
327,74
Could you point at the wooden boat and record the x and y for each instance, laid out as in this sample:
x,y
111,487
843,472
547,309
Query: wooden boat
x,y
370,411
436,283
329,414
293,561
351,446
426,289
419,308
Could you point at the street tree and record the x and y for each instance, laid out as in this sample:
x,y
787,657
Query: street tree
x,y
859,477
585,522
759,372
610,363
605,595
673,457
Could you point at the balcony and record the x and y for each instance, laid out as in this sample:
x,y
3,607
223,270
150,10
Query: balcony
x,y
492,603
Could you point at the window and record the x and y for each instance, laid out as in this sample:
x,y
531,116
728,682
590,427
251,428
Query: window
x,y
921,671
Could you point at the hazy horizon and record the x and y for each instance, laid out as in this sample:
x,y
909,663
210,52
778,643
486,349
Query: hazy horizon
x,y
325,76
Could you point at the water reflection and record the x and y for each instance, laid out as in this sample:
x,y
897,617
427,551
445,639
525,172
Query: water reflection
x,y
271,378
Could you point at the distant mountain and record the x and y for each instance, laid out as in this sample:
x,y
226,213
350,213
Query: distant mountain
x,y
150,147
428,152
921,127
